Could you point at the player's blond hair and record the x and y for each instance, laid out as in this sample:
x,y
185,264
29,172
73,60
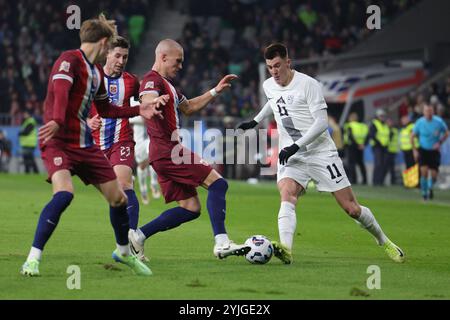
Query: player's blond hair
x,y
93,30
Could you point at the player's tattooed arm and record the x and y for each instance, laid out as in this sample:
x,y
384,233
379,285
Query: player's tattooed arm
x,y
188,107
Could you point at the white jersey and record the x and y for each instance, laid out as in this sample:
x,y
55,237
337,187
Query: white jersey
x,y
292,107
139,130
141,138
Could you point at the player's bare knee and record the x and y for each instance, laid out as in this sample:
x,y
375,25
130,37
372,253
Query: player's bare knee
x,y
288,195
126,185
192,205
119,200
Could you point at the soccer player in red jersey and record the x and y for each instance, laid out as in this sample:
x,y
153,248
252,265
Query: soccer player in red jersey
x,y
178,181
115,136
67,146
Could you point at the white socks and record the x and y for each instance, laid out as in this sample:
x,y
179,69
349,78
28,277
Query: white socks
x,y
221,239
287,222
35,253
368,222
124,250
142,175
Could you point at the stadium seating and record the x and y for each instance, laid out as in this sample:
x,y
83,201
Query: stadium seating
x,y
29,44
136,25
228,36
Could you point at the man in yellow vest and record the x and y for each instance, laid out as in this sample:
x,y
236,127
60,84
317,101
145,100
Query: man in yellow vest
x,y
392,150
28,142
379,140
355,134
405,141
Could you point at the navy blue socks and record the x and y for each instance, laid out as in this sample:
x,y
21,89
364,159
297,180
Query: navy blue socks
x,y
169,219
132,208
50,217
216,205
120,223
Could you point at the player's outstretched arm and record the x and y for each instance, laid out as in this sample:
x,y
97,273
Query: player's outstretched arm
x,y
147,109
264,113
193,105
150,107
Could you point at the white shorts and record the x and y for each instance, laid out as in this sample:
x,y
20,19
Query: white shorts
x,y
141,151
326,170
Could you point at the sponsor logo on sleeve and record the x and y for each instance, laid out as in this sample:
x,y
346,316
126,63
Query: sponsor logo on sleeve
x,y
149,84
64,66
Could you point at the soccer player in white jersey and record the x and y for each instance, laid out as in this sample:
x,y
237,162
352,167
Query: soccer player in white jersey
x,y
307,151
143,170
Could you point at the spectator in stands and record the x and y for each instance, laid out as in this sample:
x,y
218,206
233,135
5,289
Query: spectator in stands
x,y
438,106
31,36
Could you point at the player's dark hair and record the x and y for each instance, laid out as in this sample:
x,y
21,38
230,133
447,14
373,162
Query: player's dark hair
x,y
93,30
275,50
120,42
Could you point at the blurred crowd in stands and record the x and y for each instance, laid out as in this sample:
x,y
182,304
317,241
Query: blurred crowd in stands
x,y
437,94
229,37
34,33
221,37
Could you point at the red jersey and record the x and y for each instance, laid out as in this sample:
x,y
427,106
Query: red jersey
x,y
73,85
160,130
120,90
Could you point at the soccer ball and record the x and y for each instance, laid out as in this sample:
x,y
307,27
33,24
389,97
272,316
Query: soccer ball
x,y
261,249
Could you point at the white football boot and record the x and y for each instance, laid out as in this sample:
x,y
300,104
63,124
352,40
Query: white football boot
x,y
230,249
136,248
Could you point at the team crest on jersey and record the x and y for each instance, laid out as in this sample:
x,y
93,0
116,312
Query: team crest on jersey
x,y
149,84
64,66
113,88
57,161
281,100
290,99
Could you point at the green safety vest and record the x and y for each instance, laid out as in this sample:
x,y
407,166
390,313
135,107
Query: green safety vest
x,y
382,134
393,143
359,131
405,138
29,140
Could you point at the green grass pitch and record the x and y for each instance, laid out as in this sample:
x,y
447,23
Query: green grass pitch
x,y
332,254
